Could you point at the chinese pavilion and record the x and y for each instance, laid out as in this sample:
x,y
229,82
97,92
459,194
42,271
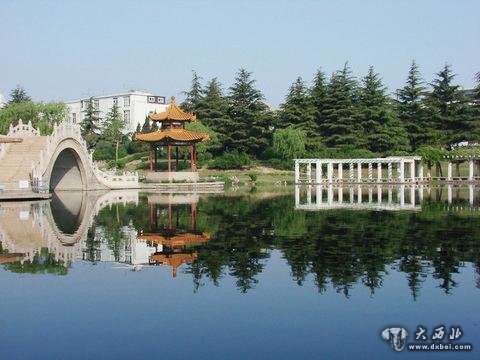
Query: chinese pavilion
x,y
172,134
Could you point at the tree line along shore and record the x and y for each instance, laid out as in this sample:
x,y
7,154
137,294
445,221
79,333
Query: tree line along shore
x,y
339,116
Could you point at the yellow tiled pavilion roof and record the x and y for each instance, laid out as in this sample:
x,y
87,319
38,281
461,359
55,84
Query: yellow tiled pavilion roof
x,y
173,113
176,240
173,135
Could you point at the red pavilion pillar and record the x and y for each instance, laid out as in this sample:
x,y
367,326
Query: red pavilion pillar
x,y
169,158
191,157
150,158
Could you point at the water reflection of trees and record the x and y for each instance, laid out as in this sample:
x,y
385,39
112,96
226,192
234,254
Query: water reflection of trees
x,y
338,248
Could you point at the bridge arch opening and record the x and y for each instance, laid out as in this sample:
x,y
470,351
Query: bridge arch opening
x,y
67,172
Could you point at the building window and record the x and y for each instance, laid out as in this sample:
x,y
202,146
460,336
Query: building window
x,y
126,116
126,101
161,99
115,101
152,99
74,118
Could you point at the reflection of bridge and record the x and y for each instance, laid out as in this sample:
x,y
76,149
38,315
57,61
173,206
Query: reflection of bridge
x,y
378,197
27,227
59,161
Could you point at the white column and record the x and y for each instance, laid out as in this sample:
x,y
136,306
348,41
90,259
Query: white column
x,y
350,169
370,195
389,167
350,192
297,172
330,194
330,172
370,171
470,170
297,195
420,170
379,172
389,195
420,193
401,195
401,174
359,172
412,195
340,172
340,194
412,170
470,194
309,194
379,194
449,171
309,173
318,172
449,193
319,194
359,194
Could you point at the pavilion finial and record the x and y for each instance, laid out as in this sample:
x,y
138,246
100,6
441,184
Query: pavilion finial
x,y
172,100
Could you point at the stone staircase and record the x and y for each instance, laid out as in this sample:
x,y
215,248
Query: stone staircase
x,y
16,161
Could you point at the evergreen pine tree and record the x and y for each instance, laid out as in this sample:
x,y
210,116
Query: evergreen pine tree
x,y
114,127
146,128
339,127
213,109
452,120
298,112
318,94
411,110
90,125
194,95
19,95
248,131
381,130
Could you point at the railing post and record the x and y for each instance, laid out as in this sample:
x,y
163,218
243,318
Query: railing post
x,y
359,172
470,170
318,172
402,171
297,172
379,172
309,172
330,172
449,171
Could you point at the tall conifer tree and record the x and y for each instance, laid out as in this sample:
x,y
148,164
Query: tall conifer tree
x,y
298,112
411,110
194,95
381,130
90,125
248,129
453,121
339,127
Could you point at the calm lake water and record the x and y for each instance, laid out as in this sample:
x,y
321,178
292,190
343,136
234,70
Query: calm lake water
x,y
315,273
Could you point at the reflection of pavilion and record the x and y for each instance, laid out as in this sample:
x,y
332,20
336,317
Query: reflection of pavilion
x,y
378,197
170,240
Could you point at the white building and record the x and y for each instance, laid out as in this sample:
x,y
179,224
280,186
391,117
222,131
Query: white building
x,y
3,101
134,105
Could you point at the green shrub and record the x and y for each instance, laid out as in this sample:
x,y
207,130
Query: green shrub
x,y
253,176
231,160
105,150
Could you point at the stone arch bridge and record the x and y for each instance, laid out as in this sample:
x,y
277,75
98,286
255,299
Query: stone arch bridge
x,y
59,161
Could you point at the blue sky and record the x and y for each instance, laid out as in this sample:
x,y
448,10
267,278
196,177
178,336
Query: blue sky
x,y
60,50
